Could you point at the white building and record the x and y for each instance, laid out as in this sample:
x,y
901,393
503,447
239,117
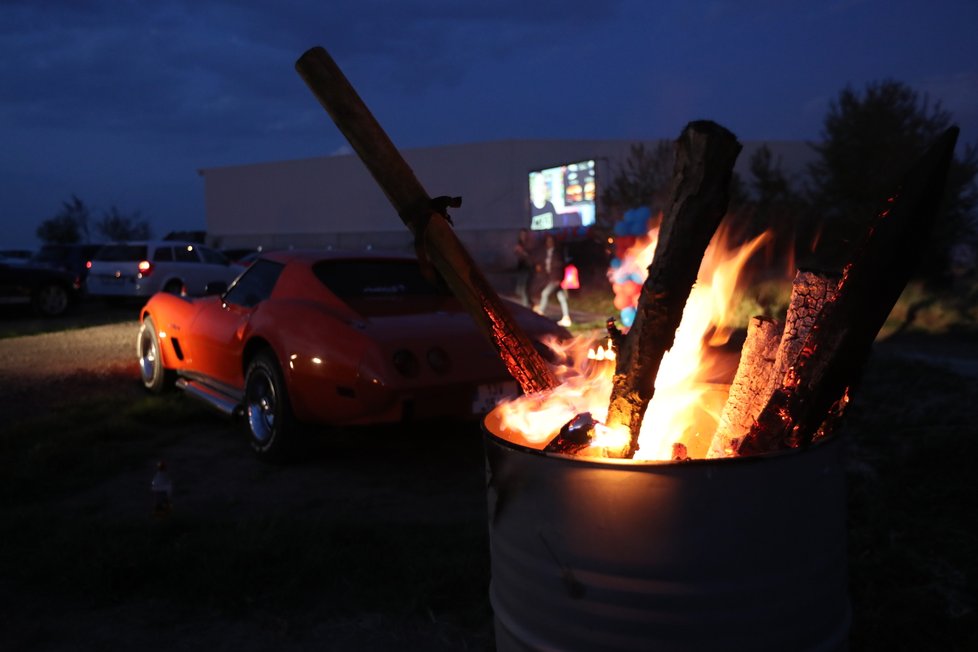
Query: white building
x,y
334,202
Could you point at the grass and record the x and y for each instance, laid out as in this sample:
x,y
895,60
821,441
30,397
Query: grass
x,y
919,309
396,583
392,582
914,452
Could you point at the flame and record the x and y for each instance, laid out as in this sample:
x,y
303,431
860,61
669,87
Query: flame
x,y
687,400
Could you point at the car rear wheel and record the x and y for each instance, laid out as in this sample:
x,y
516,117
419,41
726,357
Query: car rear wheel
x,y
151,371
271,425
51,300
173,287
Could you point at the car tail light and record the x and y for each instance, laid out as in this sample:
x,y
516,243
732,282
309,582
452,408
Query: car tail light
x,y
406,363
88,264
438,360
145,268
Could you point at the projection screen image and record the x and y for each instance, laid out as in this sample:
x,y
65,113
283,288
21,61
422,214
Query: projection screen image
x,y
562,196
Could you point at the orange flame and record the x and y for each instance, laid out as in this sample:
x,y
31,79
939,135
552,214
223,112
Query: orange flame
x,y
687,400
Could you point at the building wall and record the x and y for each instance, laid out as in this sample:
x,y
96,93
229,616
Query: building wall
x,y
334,202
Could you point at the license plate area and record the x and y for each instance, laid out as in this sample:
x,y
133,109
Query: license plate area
x,y
489,394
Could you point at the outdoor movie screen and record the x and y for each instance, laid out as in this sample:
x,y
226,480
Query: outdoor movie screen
x,y
562,196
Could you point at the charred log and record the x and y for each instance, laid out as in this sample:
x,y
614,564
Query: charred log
x,y
427,219
750,388
810,291
705,157
574,437
834,353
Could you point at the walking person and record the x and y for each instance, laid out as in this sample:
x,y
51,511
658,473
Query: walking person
x,y
524,266
549,267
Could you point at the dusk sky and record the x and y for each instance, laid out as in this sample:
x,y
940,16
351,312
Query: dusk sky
x,y
121,102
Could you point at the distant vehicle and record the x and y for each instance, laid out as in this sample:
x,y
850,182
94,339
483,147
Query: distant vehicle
x,y
237,253
50,292
328,338
141,269
250,257
72,258
15,256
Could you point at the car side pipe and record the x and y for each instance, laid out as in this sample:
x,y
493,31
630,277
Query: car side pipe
x,y
435,240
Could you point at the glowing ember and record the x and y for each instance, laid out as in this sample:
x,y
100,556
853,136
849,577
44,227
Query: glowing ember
x,y
686,406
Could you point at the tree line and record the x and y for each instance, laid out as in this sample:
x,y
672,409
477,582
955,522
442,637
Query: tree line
x,y
74,223
868,140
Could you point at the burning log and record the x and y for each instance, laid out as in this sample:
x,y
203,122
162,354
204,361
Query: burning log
x,y
576,435
768,353
699,195
426,218
834,353
750,388
810,291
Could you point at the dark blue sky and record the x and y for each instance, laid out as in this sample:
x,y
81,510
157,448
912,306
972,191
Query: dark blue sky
x,y
121,102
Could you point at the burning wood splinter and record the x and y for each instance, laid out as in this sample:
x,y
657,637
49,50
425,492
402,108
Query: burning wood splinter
x,y
749,389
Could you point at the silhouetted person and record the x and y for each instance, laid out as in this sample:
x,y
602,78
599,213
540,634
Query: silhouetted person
x,y
524,267
549,266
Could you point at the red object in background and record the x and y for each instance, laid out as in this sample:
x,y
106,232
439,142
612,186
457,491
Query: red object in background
x,y
626,294
571,280
328,338
623,243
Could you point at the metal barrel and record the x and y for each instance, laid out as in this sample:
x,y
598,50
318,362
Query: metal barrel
x,y
730,554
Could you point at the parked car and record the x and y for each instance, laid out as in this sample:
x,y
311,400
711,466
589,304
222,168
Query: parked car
x,y
141,269
50,292
238,254
327,338
72,258
15,256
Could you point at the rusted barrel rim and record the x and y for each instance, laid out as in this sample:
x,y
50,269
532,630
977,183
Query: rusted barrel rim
x,y
608,462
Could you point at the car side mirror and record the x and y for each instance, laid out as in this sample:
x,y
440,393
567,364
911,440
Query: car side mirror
x,y
215,287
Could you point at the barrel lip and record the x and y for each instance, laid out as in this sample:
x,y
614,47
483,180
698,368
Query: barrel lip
x,y
722,462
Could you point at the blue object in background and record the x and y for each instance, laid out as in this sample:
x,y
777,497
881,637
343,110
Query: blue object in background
x,y
627,316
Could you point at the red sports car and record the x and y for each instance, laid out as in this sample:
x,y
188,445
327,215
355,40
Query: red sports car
x,y
327,338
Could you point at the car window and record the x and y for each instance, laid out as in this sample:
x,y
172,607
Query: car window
x,y
213,257
255,285
352,279
121,253
51,254
186,254
163,255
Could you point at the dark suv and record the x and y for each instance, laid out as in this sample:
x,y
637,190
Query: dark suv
x,y
51,292
68,257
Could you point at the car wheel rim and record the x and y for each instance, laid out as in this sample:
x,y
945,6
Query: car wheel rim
x,y
148,359
261,408
53,300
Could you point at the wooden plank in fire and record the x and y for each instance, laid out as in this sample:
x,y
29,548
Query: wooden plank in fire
x,y
427,219
750,388
699,195
836,349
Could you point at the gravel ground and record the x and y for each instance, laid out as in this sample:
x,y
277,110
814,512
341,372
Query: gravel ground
x,y
46,370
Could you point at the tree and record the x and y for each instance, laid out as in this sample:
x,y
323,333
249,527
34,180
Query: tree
x,y
116,225
765,202
642,179
869,141
68,226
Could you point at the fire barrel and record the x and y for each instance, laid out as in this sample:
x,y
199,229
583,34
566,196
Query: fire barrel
x,y
732,554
